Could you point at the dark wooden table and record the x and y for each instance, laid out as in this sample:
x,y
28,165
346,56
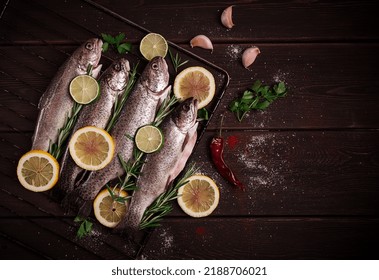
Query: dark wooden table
x,y
310,161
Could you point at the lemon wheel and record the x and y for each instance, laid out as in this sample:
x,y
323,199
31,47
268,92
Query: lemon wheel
x,y
84,89
196,82
153,45
91,148
199,197
38,171
108,211
149,139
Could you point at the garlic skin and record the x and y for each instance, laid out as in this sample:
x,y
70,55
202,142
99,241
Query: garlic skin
x,y
201,41
249,56
226,17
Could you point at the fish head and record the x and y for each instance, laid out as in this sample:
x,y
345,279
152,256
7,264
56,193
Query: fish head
x,y
155,77
89,53
185,114
117,75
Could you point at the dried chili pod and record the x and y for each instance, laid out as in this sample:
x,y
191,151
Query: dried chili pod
x,y
217,153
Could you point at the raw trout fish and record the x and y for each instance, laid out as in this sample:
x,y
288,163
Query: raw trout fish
x,y
140,109
112,84
56,103
162,167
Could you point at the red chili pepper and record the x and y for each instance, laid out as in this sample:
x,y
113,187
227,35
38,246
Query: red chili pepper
x,y
217,151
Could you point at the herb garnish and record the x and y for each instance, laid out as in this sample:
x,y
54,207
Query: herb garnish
x,y
116,43
162,204
55,149
202,114
84,228
258,97
176,60
120,102
133,166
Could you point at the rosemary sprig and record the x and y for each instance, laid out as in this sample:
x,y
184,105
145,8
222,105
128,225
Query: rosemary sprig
x,y
162,204
133,166
165,109
56,149
176,60
120,102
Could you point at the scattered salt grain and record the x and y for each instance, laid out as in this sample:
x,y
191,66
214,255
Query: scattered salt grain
x,y
234,52
280,76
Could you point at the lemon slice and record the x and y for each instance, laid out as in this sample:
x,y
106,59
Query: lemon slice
x,y
84,89
153,45
38,171
199,197
91,148
149,139
196,82
108,211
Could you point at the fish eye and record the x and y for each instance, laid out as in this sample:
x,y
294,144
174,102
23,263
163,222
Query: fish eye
x,y
89,46
117,67
154,66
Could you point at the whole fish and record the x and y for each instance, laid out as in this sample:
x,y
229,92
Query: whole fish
x,y
112,84
140,109
56,103
162,167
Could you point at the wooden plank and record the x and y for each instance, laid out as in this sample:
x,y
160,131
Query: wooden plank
x,y
259,21
265,238
13,250
285,172
331,86
55,238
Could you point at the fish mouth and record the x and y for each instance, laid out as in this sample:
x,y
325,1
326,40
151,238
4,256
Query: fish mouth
x,y
195,104
99,45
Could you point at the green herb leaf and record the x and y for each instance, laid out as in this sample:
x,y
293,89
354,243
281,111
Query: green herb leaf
x,y
257,97
119,38
116,43
202,114
176,60
124,48
85,227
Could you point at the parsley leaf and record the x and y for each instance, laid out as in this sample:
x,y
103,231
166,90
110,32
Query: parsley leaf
x,y
257,97
85,227
202,114
116,42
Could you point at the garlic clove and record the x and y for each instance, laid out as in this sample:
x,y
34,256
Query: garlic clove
x,y
226,17
249,56
201,41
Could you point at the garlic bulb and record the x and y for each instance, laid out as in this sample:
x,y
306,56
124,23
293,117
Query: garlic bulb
x,y
226,17
249,56
201,41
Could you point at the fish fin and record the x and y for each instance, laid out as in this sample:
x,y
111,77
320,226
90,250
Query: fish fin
x,y
188,145
96,71
85,208
190,139
163,95
74,202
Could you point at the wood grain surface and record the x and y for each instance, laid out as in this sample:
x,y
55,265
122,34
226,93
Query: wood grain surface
x,y
310,161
